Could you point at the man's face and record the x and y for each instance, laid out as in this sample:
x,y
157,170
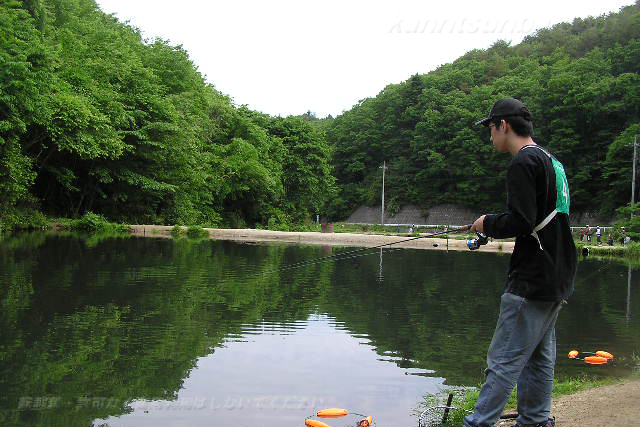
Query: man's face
x,y
498,136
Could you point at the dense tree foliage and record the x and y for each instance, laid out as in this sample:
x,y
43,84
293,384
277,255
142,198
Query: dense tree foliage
x,y
94,118
580,80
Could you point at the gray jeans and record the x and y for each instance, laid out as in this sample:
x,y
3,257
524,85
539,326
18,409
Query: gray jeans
x,y
522,351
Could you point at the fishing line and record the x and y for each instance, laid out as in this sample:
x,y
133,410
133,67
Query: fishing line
x,y
341,255
366,254
582,279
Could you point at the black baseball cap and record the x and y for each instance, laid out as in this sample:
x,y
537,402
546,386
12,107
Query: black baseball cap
x,y
504,108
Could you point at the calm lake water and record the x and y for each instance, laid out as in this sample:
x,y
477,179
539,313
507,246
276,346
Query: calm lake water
x,y
103,331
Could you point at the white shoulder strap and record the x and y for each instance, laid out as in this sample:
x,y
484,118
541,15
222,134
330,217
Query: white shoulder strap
x,y
540,226
553,213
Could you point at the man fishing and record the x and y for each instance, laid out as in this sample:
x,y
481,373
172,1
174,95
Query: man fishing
x,y
541,272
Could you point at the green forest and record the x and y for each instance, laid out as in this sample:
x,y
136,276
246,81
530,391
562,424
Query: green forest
x,y
96,118
93,118
580,81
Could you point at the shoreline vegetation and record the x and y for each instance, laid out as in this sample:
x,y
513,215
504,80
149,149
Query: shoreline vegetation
x,y
343,235
339,234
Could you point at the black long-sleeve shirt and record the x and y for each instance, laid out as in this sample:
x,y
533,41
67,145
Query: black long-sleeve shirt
x,y
535,273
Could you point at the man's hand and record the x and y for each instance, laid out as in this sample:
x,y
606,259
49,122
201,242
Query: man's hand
x,y
478,225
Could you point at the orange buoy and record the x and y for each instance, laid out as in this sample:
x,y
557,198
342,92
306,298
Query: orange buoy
x,y
367,422
315,423
604,354
573,354
596,360
332,413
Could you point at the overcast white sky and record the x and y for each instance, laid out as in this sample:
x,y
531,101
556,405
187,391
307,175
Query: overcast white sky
x,y
286,57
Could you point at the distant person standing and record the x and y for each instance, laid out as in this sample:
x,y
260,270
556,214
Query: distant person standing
x,y
598,234
541,272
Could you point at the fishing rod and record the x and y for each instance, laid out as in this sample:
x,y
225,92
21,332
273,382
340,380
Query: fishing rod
x,y
436,416
476,244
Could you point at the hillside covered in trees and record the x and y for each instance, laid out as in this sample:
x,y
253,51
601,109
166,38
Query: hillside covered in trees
x,y
580,80
95,118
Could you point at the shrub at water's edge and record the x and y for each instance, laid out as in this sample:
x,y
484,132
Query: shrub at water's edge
x,y
192,232
22,219
93,223
177,231
197,232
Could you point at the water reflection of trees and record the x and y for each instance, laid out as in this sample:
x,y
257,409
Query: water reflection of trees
x,y
101,324
127,318
439,310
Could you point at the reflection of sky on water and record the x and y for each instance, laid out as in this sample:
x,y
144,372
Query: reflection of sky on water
x,y
278,374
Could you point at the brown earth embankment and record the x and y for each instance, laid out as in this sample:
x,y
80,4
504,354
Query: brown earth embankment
x,y
330,239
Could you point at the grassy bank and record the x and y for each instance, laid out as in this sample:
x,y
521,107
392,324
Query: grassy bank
x,y
465,398
97,223
191,232
22,219
630,250
91,223
630,254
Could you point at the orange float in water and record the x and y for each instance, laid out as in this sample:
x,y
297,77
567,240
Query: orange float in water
x,y
332,413
367,422
573,354
596,360
604,354
315,423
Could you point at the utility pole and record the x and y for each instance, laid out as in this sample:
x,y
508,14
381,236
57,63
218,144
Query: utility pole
x,y
383,167
633,175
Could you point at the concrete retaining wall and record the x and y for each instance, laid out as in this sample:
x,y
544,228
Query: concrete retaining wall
x,y
440,214
446,214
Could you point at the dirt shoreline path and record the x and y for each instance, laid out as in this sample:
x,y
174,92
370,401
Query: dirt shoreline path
x,y
610,406
607,406
326,239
